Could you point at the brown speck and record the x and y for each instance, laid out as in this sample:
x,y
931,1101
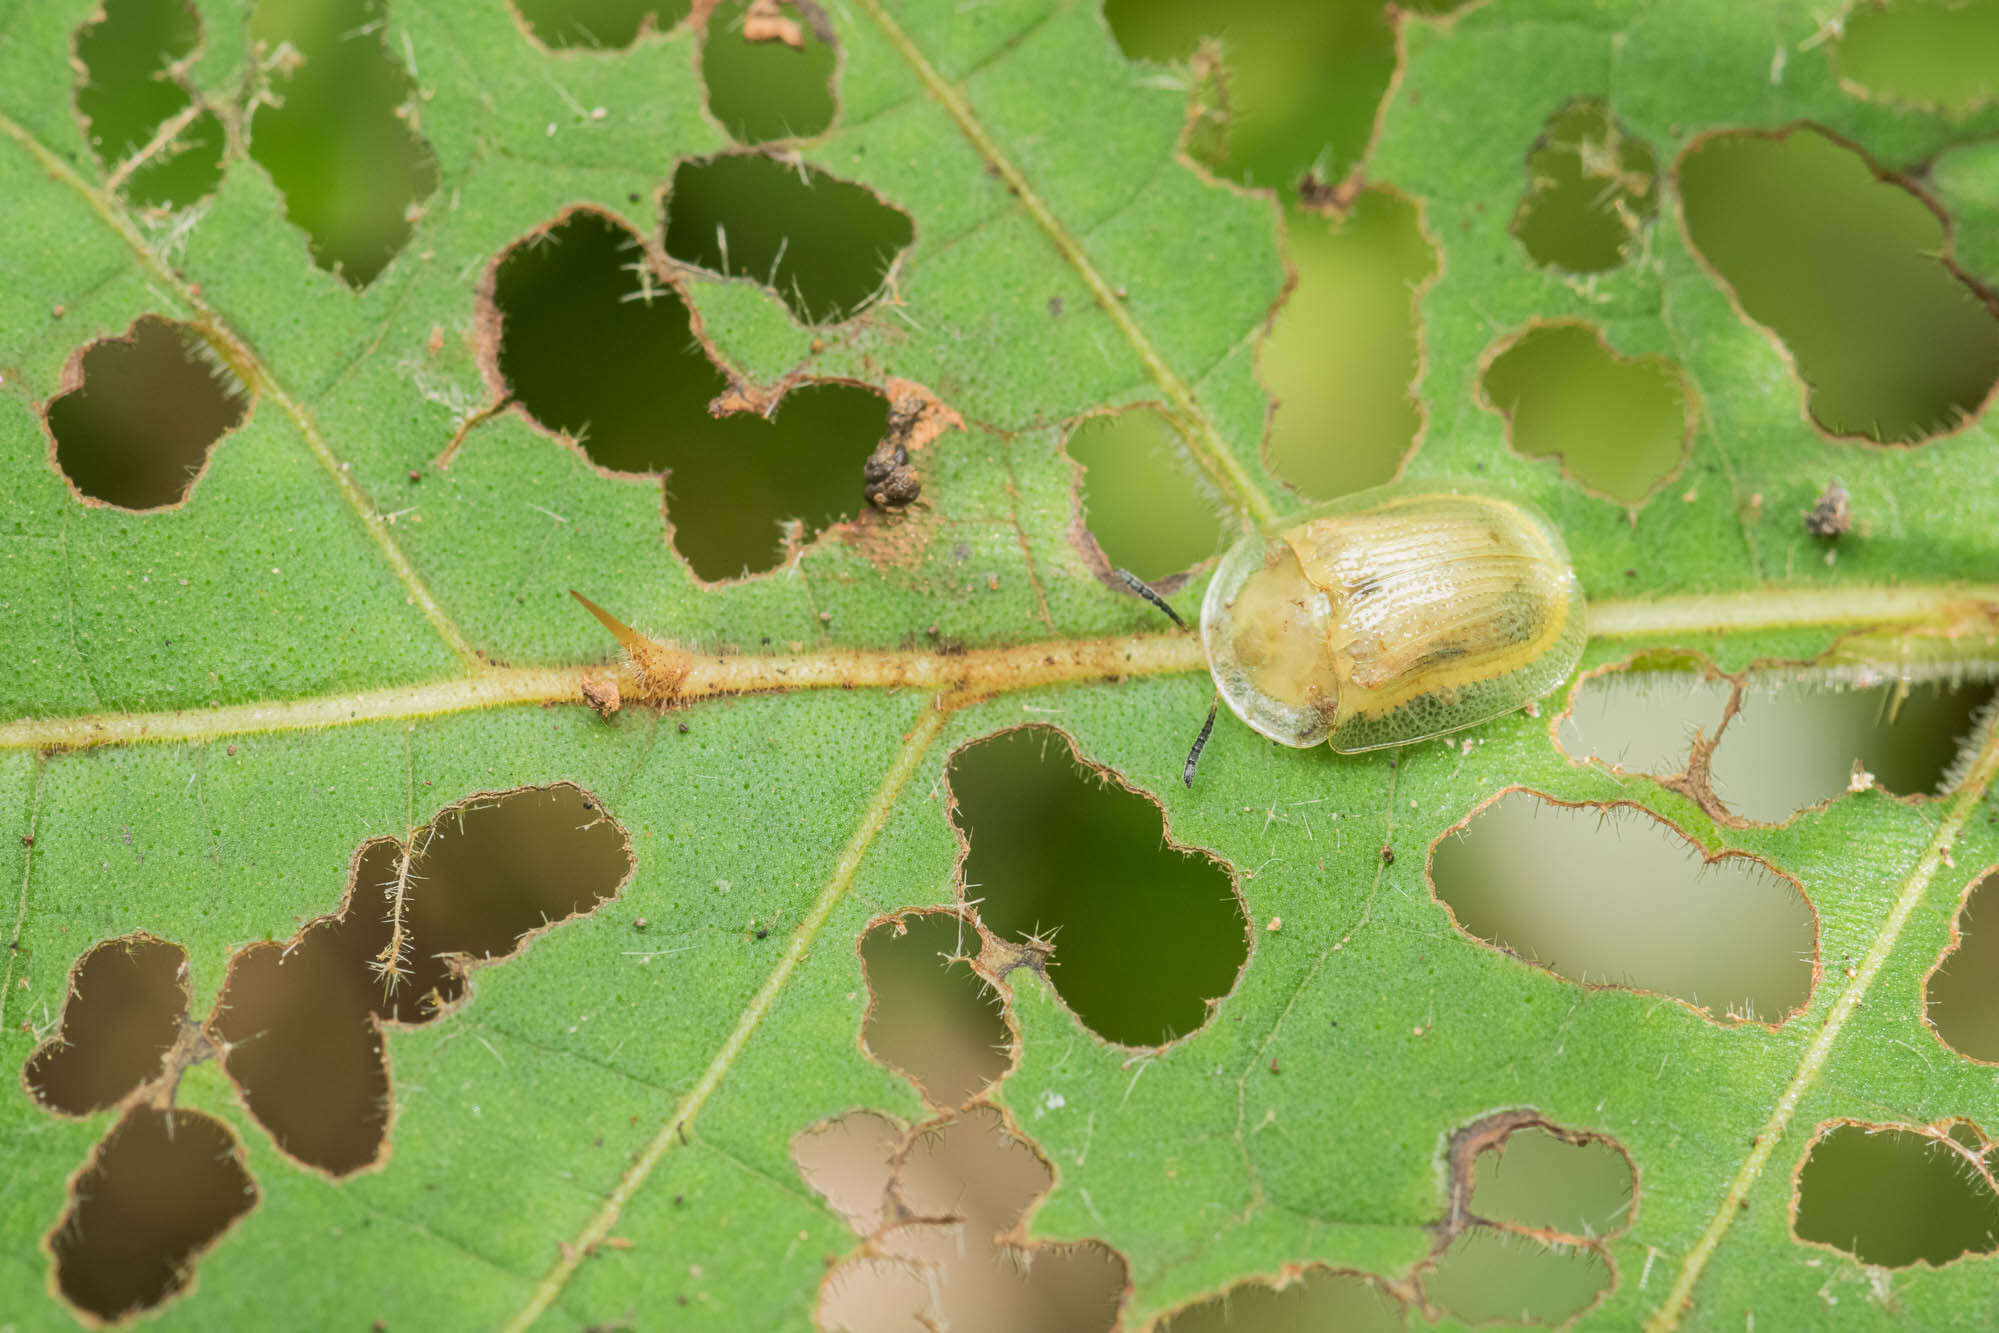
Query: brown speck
x,y
684,728
1273,1066
231,750
1630,573
603,696
27,839
932,631
415,475
1055,307
1832,515
640,924
825,617
436,343
1276,924
1387,855
764,22
56,311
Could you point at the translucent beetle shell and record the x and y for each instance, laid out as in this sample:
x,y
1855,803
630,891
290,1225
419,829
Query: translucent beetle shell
x,y
1393,615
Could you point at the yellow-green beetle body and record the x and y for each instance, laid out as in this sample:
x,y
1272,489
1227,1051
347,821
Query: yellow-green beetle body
x,y
1392,616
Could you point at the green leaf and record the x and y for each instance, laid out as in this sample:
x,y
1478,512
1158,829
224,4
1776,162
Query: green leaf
x,y
359,619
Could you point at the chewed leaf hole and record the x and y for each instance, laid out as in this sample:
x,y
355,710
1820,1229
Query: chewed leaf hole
x,y
1937,54
136,428
1146,936
1489,1275
126,1000
849,1161
1340,359
156,145
596,347
1618,897
1542,1181
769,75
940,1207
1285,93
826,247
1961,997
600,25
1317,1298
335,132
1143,501
1590,187
1850,271
932,1017
1793,743
162,1187
300,1022
1642,721
1619,425
1897,1195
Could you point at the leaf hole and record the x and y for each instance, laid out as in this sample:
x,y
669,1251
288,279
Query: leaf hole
x,y
1564,1185
768,70
1492,1275
338,132
1797,740
1614,896
1142,500
1960,997
301,1022
158,147
595,347
1282,92
826,247
931,1016
598,25
123,1013
1620,426
135,427
1896,1195
1314,1297
1342,357
1939,55
1591,186
948,1202
1850,268
161,1188
1145,937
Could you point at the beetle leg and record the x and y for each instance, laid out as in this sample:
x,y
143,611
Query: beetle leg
x,y
1150,594
1200,742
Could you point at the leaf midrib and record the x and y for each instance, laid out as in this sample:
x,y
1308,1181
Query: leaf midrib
x,y
1000,669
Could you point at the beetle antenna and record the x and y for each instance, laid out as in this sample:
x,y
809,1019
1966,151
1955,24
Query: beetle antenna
x,y
1200,742
1150,594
